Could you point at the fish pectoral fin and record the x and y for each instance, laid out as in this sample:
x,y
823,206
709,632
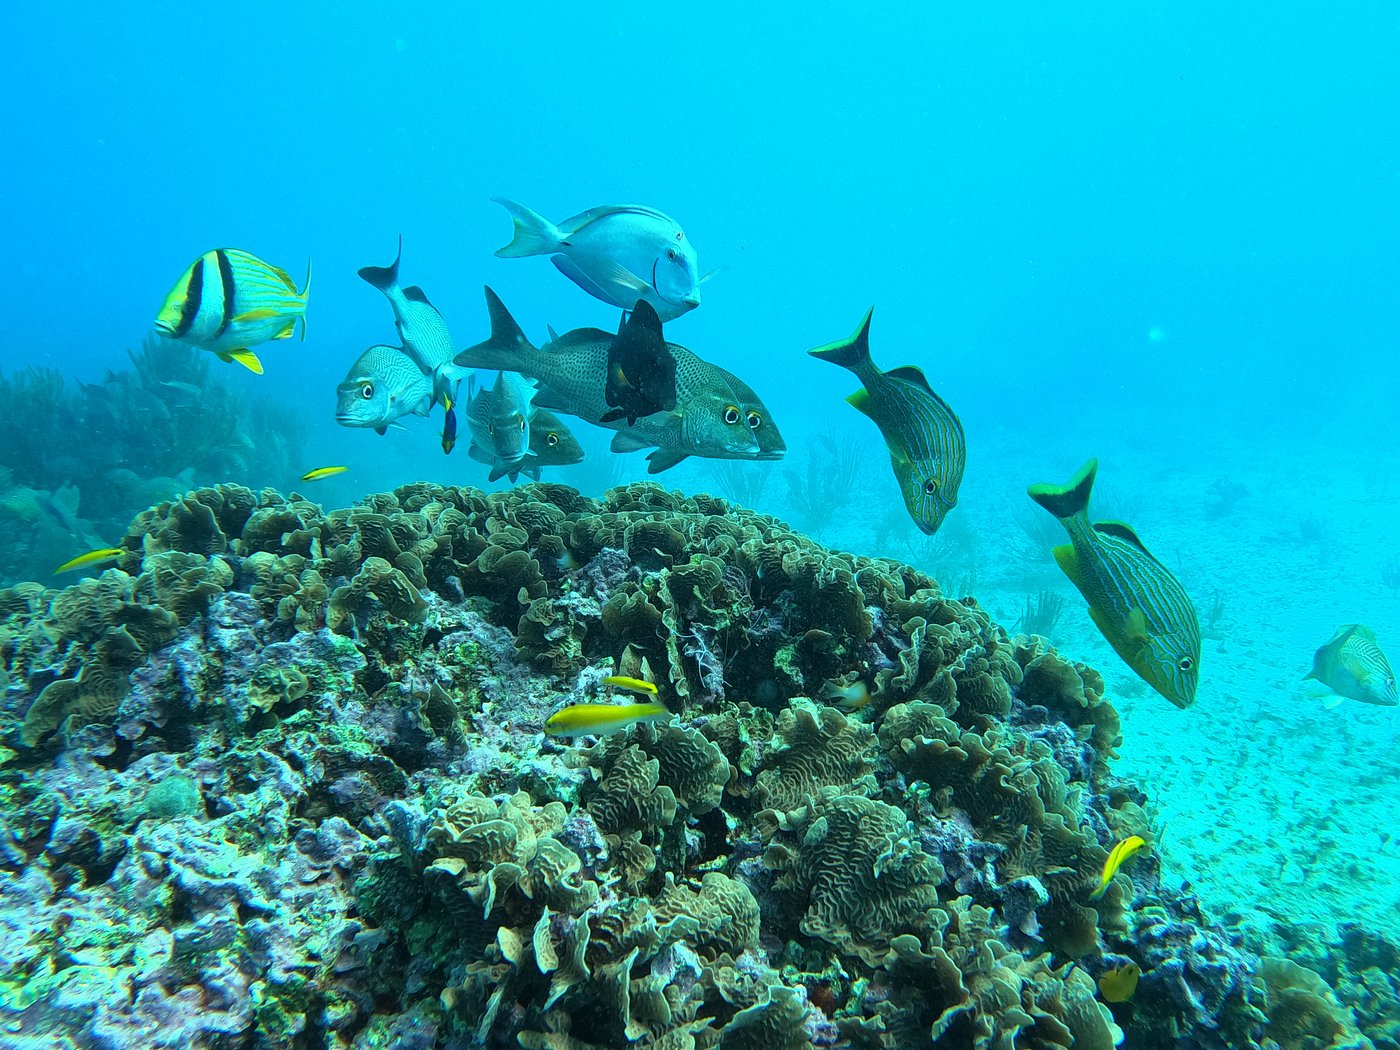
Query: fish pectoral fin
x,y
860,401
244,357
1136,627
254,315
664,459
619,274
1068,561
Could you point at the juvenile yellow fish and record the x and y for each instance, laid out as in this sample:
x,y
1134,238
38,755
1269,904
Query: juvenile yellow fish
x,y
634,685
1118,984
846,698
91,557
601,719
323,472
1116,858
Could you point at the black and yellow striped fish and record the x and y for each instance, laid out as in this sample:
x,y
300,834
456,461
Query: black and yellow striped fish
x,y
1134,601
230,300
923,435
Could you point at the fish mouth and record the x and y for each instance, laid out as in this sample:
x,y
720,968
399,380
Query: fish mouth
x,y
165,328
689,302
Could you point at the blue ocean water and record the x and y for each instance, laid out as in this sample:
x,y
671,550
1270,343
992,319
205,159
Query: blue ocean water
x,y
1163,236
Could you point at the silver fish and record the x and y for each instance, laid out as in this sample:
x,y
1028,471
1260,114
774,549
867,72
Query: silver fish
x,y
1352,666
616,253
499,422
716,415
383,384
552,444
923,435
421,328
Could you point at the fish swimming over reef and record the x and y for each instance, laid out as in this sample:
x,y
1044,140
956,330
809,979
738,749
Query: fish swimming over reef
x,y
1118,983
552,444
102,554
716,415
923,435
229,301
1353,667
499,421
632,685
602,719
383,384
1117,857
616,253
641,370
1137,605
323,472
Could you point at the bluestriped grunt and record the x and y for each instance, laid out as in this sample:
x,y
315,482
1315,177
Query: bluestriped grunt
x,y
1138,605
923,435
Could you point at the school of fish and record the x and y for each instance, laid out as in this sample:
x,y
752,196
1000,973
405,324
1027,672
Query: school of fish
x,y
663,398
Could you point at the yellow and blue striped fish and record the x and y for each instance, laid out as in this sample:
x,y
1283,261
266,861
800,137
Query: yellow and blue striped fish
x,y
229,300
1134,601
1352,665
923,435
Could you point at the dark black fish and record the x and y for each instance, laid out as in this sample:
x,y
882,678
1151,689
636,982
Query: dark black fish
x,y
641,370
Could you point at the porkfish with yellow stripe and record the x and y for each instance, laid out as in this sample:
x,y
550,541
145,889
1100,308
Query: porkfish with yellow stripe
x,y
229,301
1134,601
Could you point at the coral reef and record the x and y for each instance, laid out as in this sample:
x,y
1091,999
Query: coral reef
x,y
277,778
77,463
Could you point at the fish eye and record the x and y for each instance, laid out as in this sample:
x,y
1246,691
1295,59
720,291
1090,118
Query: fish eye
x,y
732,415
930,486
672,254
755,420
522,424
551,439
1186,663
367,390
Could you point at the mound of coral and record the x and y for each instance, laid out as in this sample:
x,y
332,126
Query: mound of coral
x,y
278,779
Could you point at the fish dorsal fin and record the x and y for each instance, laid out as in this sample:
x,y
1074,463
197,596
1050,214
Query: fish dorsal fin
x,y
592,215
911,374
285,277
414,293
1120,530
860,401
1354,630
553,335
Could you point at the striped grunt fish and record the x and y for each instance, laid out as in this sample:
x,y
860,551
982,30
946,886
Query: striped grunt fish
x,y
1134,601
923,435
229,300
1352,666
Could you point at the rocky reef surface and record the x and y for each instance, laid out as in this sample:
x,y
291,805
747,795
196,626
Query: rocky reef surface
x,y
277,779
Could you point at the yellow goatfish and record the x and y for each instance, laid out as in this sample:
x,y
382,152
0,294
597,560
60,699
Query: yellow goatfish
x,y
90,558
323,472
1116,858
601,719
632,685
1118,983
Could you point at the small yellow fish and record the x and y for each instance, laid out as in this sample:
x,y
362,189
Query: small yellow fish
x,y
846,698
323,472
91,557
1118,983
601,719
1116,858
632,685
